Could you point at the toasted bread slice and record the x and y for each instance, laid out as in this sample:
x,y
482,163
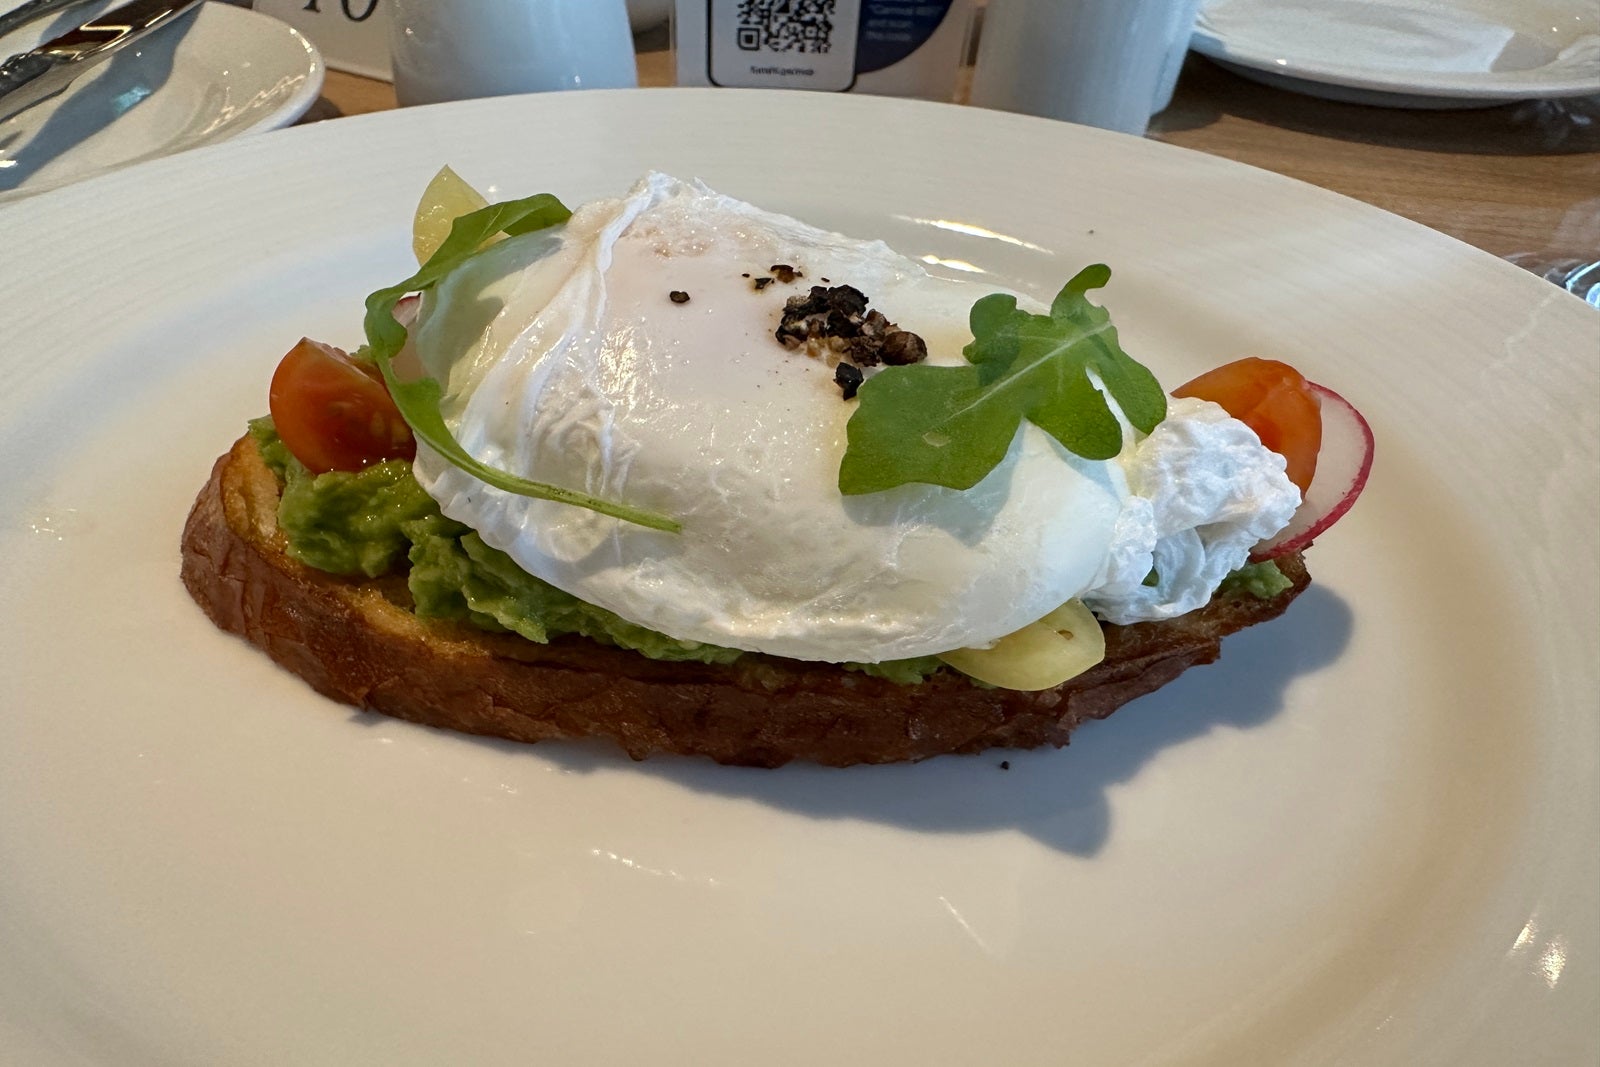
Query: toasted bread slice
x,y
357,642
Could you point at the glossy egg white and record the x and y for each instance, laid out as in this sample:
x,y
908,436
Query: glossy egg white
x,y
566,361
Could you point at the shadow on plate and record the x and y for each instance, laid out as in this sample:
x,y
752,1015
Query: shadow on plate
x,y
96,100
1061,798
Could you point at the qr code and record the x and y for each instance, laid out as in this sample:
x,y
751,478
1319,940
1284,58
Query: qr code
x,y
785,25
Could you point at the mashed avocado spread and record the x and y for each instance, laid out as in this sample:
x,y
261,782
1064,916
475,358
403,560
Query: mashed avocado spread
x,y
1261,580
379,520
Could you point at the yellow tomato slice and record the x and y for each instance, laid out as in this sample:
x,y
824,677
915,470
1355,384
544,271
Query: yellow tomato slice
x,y
1041,655
447,198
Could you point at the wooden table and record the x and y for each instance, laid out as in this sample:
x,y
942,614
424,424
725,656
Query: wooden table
x,y
1516,179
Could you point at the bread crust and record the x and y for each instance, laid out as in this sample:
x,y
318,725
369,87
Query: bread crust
x,y
354,641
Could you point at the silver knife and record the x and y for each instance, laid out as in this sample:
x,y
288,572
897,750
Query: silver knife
x,y
34,77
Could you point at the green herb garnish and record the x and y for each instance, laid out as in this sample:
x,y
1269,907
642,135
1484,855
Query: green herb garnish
x,y
951,426
418,401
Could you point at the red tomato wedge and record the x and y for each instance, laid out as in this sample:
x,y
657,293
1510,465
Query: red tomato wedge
x,y
1275,401
333,413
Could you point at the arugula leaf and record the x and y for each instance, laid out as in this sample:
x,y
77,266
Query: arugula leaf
x,y
951,426
418,400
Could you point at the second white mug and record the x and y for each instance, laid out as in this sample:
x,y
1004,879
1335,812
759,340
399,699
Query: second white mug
x,y
459,49
1106,63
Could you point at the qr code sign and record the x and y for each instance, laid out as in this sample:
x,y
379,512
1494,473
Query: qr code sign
x,y
785,25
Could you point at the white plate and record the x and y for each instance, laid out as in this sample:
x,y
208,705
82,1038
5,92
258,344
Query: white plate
x,y
1410,53
1366,836
226,71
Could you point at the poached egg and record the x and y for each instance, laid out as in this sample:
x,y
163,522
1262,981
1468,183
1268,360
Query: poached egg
x,y
565,360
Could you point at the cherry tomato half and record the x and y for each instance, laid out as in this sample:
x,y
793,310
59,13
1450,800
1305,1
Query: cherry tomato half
x,y
1273,400
333,413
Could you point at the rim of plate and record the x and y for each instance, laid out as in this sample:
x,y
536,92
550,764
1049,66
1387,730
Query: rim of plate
x,y
297,103
1503,86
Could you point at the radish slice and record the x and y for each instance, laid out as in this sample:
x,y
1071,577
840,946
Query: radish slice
x,y
1343,464
406,308
407,364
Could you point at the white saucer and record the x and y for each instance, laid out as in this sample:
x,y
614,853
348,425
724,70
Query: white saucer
x,y
226,72
1409,53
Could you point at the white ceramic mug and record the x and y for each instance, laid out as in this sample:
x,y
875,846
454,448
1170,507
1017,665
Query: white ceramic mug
x,y
458,49
1106,63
